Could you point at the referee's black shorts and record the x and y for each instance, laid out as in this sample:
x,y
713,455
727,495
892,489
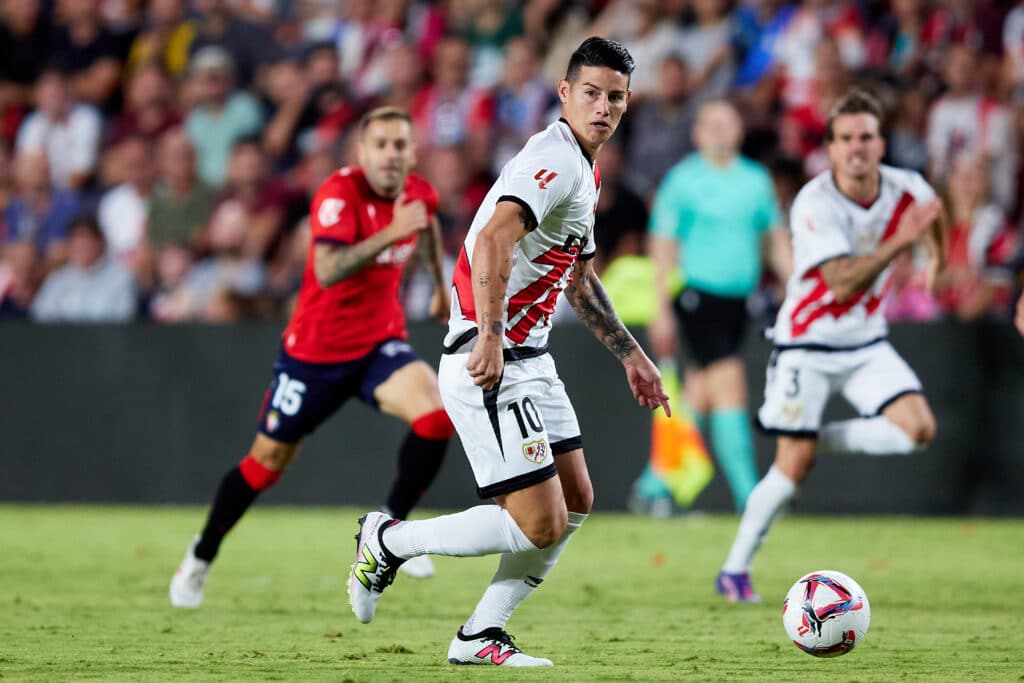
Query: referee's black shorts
x,y
712,325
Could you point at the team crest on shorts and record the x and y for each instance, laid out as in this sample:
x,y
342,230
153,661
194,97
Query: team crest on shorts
x,y
535,451
792,412
273,420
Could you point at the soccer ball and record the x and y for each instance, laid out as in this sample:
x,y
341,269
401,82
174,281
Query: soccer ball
x,y
826,613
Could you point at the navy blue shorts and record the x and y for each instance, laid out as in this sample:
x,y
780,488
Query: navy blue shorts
x,y
302,395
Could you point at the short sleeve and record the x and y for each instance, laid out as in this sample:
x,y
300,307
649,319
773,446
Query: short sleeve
x,y
669,207
420,189
333,216
817,232
540,182
919,187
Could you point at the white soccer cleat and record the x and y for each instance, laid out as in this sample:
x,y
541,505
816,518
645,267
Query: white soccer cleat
x,y
186,589
419,567
493,647
374,567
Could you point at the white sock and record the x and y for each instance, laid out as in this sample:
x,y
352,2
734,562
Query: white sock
x,y
867,436
517,577
480,530
763,505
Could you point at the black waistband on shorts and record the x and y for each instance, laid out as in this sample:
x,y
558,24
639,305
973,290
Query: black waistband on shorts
x,y
826,348
461,345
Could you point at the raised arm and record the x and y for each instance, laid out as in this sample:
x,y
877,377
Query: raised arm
x,y
589,299
491,269
847,276
335,262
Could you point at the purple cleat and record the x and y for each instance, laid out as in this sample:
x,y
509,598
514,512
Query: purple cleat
x,y
736,587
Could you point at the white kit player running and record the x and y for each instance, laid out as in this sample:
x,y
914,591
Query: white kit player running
x,y
848,225
498,383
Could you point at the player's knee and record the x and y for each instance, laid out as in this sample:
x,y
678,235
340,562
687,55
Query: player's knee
x,y
580,498
435,426
922,430
543,530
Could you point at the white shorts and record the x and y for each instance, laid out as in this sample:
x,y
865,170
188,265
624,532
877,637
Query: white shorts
x,y
800,382
510,434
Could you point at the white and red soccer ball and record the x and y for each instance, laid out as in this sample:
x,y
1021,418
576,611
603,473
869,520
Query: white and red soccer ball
x,y
826,613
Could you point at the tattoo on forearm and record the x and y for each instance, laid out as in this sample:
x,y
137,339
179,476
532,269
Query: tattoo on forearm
x,y
591,303
333,264
497,329
484,279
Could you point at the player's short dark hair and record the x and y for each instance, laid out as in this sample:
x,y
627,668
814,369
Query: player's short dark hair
x,y
596,51
383,114
856,101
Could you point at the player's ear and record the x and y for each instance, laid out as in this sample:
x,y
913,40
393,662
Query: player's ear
x,y
563,91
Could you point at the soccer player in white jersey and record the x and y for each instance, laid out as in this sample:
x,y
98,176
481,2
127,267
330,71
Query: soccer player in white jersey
x,y
532,237
848,224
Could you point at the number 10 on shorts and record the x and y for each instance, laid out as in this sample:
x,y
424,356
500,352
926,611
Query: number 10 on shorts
x,y
535,450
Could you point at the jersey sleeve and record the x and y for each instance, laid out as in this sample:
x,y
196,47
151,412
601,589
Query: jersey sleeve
x,y
817,232
422,189
919,187
333,215
540,182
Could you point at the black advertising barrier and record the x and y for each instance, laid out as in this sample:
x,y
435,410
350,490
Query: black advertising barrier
x,y
149,414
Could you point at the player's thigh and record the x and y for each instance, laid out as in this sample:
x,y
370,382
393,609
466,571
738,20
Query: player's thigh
x,y
798,384
575,478
727,383
502,430
566,439
301,396
880,378
410,392
397,382
911,413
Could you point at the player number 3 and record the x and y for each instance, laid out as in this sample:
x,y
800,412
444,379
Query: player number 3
x,y
288,397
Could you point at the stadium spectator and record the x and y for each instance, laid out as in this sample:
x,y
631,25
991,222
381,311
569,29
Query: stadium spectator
x,y
249,44
92,287
181,204
150,107
90,53
20,273
450,112
659,128
640,25
221,115
523,102
286,94
37,212
714,216
66,130
405,77
706,47
458,195
165,39
124,209
976,280
262,200
907,146
24,34
491,26
1013,49
965,121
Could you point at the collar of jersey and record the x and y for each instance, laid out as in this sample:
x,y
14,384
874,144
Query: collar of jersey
x,y
590,160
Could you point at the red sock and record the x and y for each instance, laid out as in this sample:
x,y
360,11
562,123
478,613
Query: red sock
x,y
257,475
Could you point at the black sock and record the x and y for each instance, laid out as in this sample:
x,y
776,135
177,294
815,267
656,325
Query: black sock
x,y
419,460
234,496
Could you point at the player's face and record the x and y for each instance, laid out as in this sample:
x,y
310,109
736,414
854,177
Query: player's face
x,y
387,154
594,103
857,146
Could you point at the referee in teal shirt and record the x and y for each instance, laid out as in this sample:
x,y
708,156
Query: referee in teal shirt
x,y
716,218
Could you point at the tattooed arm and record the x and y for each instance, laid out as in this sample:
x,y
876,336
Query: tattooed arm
x,y
589,299
491,268
431,252
333,263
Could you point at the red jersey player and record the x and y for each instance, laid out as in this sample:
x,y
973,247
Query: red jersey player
x,y
346,337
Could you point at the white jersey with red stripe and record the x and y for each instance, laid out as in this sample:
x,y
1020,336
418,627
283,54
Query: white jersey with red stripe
x,y
553,178
827,224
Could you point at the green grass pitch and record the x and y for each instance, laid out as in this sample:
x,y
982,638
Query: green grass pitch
x,y
85,598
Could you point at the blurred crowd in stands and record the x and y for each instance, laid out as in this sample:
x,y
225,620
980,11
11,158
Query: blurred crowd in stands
x,y
157,157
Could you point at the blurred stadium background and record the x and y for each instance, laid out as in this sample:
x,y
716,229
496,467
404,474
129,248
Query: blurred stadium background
x,y
190,134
